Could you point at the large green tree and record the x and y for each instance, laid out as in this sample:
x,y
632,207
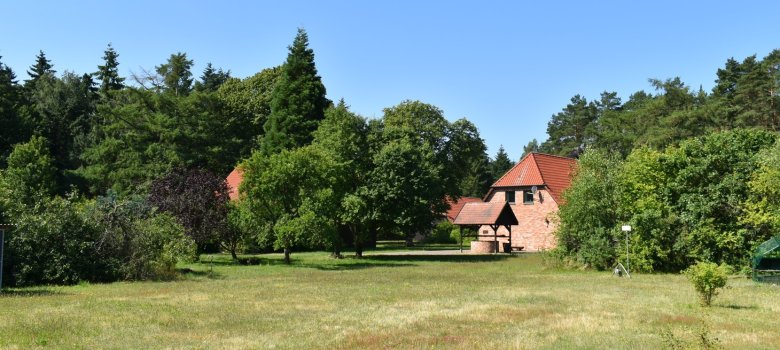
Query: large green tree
x,y
298,101
571,130
246,106
468,159
500,164
405,188
588,231
41,67
344,136
294,198
12,127
176,74
108,72
211,79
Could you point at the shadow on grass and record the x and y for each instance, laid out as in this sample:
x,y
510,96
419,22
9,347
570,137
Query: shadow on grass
x,y
350,266
438,258
33,292
207,273
418,246
740,307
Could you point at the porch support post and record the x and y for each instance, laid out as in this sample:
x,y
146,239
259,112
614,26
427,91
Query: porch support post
x,y
509,229
461,238
495,237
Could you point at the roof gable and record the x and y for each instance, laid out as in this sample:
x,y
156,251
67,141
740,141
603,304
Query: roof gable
x,y
455,207
539,169
486,213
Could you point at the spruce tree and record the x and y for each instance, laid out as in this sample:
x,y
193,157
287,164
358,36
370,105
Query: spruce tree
x,y
42,66
532,146
11,130
176,74
108,72
298,103
501,164
211,79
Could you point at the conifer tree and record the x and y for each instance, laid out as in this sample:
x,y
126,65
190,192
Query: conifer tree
x,y
298,103
108,72
211,79
42,66
176,74
501,164
11,130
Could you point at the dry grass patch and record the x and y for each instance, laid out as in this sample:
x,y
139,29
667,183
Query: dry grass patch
x,y
385,302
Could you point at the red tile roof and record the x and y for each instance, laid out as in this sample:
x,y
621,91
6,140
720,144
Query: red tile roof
x,y
539,169
233,181
485,213
455,207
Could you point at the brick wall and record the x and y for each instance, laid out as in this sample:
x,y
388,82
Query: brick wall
x,y
536,227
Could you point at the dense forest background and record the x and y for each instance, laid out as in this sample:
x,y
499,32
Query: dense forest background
x,y
112,177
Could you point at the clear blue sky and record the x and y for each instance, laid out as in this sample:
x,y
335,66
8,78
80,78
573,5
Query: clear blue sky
x,y
506,66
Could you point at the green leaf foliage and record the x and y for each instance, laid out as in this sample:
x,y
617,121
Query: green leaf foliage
x,y
707,278
689,203
588,232
289,189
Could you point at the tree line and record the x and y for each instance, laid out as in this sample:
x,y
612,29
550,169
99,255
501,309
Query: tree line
x,y
693,172
746,95
111,177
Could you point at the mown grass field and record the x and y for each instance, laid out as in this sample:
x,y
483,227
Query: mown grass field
x,y
494,302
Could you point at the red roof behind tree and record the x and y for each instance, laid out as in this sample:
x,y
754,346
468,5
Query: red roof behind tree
x,y
539,169
455,207
233,181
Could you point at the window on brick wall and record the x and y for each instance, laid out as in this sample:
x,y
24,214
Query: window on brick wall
x,y
510,196
528,197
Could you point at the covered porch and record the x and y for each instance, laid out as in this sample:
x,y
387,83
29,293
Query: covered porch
x,y
491,214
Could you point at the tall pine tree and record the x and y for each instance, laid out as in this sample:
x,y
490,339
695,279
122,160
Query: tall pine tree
x,y
501,164
211,79
42,66
108,72
176,74
298,103
11,129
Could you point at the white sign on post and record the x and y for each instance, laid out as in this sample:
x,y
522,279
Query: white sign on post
x,y
626,228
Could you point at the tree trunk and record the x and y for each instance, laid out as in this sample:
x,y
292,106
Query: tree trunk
x,y
287,256
233,254
359,250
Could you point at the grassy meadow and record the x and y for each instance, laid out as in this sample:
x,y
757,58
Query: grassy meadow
x,y
389,301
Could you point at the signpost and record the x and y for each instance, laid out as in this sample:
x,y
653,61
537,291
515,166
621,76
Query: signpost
x,y
627,229
3,227
2,240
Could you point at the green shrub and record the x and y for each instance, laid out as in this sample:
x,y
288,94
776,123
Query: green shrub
x,y
53,244
707,278
468,234
158,245
143,244
441,233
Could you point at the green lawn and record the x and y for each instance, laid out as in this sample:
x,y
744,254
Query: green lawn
x,y
493,302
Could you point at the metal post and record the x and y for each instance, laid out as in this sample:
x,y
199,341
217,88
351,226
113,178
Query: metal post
x,y
627,230
461,239
628,261
2,240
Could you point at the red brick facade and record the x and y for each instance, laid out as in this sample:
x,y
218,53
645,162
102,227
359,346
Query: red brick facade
x,y
549,175
537,226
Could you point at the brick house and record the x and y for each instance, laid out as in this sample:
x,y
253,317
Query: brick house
x,y
533,189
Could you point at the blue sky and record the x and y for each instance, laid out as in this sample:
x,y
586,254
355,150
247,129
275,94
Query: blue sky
x,y
506,66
